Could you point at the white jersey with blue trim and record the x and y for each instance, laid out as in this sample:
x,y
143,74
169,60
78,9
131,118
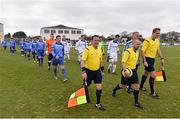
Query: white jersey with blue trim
x,y
113,47
80,46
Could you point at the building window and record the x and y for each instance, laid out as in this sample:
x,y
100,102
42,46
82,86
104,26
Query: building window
x,y
73,32
53,31
60,31
78,32
46,31
66,32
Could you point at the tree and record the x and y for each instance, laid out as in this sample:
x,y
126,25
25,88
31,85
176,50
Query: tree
x,y
19,34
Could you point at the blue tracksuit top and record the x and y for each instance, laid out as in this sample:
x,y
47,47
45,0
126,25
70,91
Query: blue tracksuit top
x,y
34,46
58,50
40,46
4,43
12,43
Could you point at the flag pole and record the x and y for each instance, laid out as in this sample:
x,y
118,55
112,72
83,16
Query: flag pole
x,y
163,73
86,91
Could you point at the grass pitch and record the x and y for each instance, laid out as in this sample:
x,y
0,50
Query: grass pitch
x,y
27,90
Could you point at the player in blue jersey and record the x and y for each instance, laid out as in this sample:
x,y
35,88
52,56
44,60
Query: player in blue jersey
x,y
34,49
58,57
28,49
4,44
40,51
12,45
21,46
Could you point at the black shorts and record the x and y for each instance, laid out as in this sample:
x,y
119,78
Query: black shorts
x,y
93,75
132,80
150,62
50,56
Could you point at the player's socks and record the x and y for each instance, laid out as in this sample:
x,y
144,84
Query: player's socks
x,y
151,83
114,68
64,73
143,79
110,65
55,71
49,65
114,90
98,96
136,95
34,57
39,60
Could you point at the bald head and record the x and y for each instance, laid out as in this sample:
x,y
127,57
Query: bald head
x,y
136,44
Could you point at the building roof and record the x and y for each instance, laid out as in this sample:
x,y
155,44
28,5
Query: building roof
x,y
61,27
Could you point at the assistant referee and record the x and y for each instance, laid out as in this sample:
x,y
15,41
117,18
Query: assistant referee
x,y
92,66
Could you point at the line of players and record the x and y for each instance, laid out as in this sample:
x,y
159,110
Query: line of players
x,y
39,48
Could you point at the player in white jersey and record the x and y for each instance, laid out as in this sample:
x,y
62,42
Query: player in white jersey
x,y
67,50
80,47
113,51
66,45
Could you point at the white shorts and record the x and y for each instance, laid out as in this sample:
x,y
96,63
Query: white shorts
x,y
113,57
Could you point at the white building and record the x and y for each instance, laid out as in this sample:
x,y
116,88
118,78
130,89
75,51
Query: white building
x,y
1,32
69,32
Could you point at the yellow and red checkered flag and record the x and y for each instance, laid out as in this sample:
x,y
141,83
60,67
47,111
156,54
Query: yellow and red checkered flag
x,y
79,97
160,75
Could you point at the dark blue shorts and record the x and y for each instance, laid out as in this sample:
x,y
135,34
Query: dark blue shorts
x,y
150,62
132,80
4,47
12,48
93,75
59,61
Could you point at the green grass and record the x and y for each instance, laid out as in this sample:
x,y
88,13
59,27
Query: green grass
x,y
27,90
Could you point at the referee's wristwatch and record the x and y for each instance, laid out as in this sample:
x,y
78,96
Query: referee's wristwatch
x,y
162,58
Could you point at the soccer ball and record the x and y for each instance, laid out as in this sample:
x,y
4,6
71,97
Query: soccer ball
x,y
128,73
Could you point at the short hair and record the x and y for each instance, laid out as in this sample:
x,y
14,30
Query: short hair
x,y
58,36
155,29
117,36
52,34
135,33
95,36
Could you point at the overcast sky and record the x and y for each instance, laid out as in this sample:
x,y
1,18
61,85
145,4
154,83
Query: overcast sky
x,y
102,17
